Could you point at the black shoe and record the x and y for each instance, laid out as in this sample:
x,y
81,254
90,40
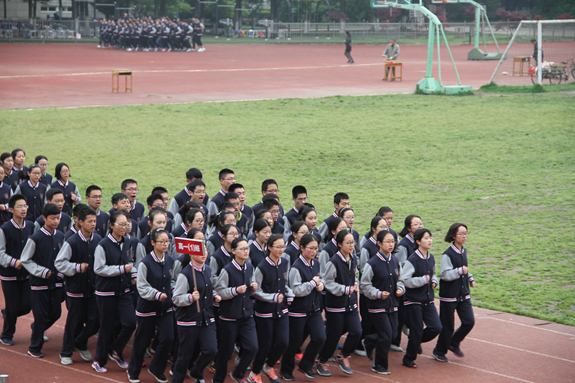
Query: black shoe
x,y
409,363
440,358
132,379
308,373
380,370
419,350
368,350
287,376
456,351
160,378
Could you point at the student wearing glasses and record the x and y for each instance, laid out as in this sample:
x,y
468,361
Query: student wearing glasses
x,y
227,178
5,194
33,190
94,200
46,178
71,193
271,310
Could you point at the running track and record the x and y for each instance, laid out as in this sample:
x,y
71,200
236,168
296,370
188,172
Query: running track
x,y
501,348
69,75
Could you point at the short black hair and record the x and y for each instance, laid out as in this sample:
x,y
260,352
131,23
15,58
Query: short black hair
x,y
267,183
117,197
50,209
91,188
339,196
52,192
77,208
15,198
154,197
84,213
126,182
236,186
159,190
231,195
224,172
194,173
194,184
297,190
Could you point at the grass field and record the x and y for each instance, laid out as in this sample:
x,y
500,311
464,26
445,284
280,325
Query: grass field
x,y
503,164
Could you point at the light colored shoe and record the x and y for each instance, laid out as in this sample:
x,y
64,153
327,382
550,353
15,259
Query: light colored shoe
x,y
45,338
85,354
97,368
254,378
405,330
395,348
360,352
66,360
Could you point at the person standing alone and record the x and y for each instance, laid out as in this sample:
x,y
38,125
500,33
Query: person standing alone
x,y
347,52
390,54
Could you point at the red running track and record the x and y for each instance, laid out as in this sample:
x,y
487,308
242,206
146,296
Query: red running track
x,y
501,348
69,75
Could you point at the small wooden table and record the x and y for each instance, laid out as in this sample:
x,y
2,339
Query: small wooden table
x,y
390,66
116,73
520,61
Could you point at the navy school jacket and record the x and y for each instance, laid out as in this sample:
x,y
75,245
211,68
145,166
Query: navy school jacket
x,y
340,277
40,261
187,310
307,300
14,239
234,305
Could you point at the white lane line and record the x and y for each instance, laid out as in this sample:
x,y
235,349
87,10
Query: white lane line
x,y
524,325
96,375
521,349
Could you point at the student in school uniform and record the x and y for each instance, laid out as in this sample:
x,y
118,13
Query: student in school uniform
x,y
258,248
14,235
129,187
56,197
406,247
194,191
274,208
156,220
308,215
299,229
299,197
222,219
269,186
46,178
305,311
242,221
271,310
341,308
33,190
194,220
153,201
165,198
381,286
184,258
76,261
227,178
196,174
5,194
235,286
454,294
418,276
246,210
115,275
194,325
154,309
74,227
335,226
71,193
387,214
46,282
223,255
121,201
94,200
10,175
348,215
261,214
19,159
340,200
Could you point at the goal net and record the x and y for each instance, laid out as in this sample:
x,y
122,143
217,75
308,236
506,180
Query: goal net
x,y
556,42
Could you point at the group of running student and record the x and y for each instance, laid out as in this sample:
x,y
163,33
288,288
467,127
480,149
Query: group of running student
x,y
152,35
258,286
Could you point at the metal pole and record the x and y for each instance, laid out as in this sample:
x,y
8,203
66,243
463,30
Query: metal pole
x,y
450,55
505,54
438,53
430,42
539,51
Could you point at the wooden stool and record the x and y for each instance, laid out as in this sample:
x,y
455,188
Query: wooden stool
x,y
390,66
116,73
520,61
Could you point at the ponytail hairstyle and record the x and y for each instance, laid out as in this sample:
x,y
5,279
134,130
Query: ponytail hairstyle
x,y
374,223
153,236
226,229
295,228
187,206
114,216
235,244
186,258
384,209
218,220
306,240
407,224
332,226
23,175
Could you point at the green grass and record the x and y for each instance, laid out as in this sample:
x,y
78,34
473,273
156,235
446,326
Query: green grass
x,y
536,88
502,164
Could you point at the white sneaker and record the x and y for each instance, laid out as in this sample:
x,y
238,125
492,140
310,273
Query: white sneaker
x,y
155,49
66,360
201,49
98,46
129,49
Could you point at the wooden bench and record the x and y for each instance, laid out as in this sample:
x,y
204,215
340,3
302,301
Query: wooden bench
x,y
522,69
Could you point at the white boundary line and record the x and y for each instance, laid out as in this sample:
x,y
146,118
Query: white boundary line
x,y
521,349
523,324
97,375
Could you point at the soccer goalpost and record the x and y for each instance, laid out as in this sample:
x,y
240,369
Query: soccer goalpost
x,y
539,50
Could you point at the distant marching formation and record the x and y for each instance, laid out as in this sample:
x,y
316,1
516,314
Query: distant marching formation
x,y
267,280
148,35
